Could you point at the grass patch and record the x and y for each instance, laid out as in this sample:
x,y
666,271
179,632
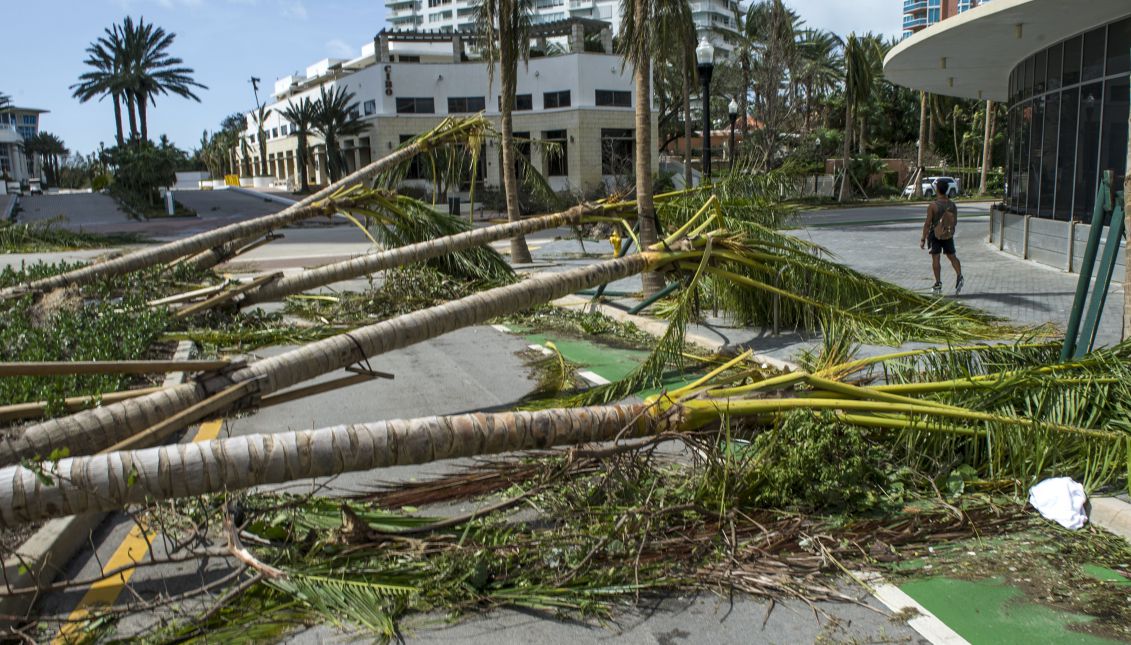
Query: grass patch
x,y
49,235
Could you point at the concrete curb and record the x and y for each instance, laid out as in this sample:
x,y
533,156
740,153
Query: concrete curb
x,y
658,327
7,213
267,196
44,556
1111,514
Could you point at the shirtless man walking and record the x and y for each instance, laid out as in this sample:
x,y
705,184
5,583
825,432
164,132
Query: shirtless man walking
x,y
942,206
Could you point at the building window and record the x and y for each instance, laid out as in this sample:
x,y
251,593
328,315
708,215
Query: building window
x,y
614,98
522,102
29,119
408,59
274,133
465,104
551,100
557,153
617,151
370,107
437,3
416,168
416,106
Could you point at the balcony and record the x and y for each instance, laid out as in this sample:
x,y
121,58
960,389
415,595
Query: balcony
x,y
912,6
392,4
404,10
580,4
911,23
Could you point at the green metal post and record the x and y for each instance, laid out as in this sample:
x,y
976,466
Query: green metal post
x,y
1091,326
1103,193
652,300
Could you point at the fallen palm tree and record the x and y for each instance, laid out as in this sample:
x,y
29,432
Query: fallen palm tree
x,y
1036,419
320,204
728,263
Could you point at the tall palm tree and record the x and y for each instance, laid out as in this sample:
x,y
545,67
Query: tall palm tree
x,y
503,27
819,67
639,36
336,116
150,69
49,148
301,115
861,69
106,78
675,47
260,117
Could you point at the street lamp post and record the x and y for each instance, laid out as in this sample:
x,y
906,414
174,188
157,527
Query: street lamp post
x,y
732,112
816,175
705,57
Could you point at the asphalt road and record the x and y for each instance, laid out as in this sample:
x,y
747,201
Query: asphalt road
x,y
471,369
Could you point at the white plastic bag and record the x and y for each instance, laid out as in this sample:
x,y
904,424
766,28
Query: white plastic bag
x,y
1061,500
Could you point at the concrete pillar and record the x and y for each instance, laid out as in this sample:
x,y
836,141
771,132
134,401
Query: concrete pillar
x,y
607,40
543,44
383,47
457,49
577,38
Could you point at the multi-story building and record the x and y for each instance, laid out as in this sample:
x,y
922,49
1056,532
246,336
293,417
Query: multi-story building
x,y
920,14
459,15
18,124
405,83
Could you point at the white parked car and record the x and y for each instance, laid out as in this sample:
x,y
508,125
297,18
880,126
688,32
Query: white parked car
x,y
929,187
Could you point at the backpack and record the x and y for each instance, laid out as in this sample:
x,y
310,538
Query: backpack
x,y
946,220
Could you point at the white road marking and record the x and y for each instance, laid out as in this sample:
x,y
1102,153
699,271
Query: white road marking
x,y
502,328
595,379
927,624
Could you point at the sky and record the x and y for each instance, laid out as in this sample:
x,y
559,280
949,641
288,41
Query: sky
x,y
227,42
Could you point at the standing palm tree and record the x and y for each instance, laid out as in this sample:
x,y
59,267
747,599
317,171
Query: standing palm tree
x,y
638,38
301,116
861,63
336,116
503,27
106,78
819,67
150,70
260,117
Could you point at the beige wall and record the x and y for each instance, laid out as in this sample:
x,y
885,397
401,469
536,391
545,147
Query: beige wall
x,y
583,126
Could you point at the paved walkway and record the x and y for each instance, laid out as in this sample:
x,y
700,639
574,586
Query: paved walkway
x,y
1022,291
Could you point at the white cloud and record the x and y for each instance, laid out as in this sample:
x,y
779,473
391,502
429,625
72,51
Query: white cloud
x,y
339,49
294,10
843,18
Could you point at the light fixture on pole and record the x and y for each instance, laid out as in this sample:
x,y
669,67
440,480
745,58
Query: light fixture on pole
x,y
816,174
732,112
705,57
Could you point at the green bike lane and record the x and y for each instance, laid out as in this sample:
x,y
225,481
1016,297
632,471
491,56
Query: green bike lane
x,y
974,609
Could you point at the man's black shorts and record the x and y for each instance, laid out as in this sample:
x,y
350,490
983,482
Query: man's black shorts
x,y
940,246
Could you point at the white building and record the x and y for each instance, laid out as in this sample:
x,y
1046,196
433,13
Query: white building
x,y
459,15
18,124
405,83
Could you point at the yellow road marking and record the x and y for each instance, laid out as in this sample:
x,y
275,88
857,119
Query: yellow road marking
x,y
133,549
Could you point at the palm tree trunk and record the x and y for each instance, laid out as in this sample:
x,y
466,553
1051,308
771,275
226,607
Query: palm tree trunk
x,y
115,480
191,245
133,115
742,106
646,210
400,256
262,153
987,148
118,118
520,252
687,129
94,430
304,183
922,143
143,120
845,189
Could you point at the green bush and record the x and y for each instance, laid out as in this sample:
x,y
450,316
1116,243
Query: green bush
x,y
141,169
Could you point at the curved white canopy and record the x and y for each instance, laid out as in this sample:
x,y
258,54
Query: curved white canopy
x,y
972,54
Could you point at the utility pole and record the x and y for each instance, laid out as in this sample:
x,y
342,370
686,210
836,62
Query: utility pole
x,y
917,176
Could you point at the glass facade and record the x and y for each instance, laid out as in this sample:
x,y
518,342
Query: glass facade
x,y
1068,108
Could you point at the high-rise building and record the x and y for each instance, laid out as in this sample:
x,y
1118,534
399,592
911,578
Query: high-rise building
x,y
920,14
453,15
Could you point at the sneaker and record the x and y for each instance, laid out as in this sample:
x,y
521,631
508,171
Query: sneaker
x,y
958,285
937,289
